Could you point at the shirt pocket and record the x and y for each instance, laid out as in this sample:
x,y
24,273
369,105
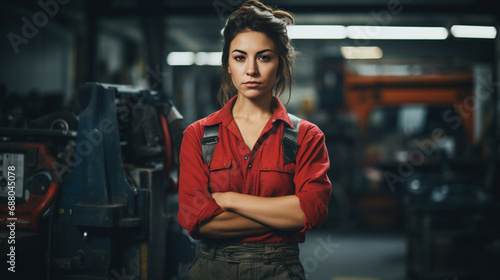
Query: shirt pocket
x,y
220,176
276,181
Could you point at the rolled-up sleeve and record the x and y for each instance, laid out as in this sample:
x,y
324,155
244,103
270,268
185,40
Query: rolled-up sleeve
x,y
313,188
195,201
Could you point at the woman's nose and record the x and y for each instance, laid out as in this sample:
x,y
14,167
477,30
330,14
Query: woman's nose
x,y
252,68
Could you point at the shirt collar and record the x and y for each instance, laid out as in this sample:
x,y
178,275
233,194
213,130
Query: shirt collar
x,y
225,117
280,112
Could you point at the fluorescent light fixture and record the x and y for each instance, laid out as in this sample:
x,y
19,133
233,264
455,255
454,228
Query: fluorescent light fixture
x,y
209,58
190,58
471,31
181,58
361,52
397,33
316,32
387,70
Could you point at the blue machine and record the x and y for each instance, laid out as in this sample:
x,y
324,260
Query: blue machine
x,y
116,211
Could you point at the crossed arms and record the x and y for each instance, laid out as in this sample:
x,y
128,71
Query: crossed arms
x,y
247,215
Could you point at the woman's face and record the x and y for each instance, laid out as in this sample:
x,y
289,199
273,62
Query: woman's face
x,y
253,64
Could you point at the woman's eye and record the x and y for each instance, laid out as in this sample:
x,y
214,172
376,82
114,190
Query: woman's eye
x,y
239,58
265,58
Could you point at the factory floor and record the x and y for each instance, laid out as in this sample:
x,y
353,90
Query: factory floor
x,y
354,254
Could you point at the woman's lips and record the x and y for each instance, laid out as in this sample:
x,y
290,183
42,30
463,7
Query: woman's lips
x,y
252,84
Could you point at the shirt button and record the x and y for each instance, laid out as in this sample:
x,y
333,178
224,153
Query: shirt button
x,y
245,157
249,166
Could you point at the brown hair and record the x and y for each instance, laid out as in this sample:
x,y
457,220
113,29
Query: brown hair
x,y
255,16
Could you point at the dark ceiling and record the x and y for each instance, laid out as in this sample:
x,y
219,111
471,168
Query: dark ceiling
x,y
195,25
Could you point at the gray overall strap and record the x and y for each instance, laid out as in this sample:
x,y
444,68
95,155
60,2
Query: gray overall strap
x,y
291,139
210,139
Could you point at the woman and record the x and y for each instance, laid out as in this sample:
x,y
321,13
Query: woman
x,y
248,206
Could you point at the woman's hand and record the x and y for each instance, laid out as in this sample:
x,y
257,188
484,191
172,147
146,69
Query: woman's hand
x,y
223,199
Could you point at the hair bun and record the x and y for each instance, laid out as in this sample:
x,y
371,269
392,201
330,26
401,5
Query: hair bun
x,y
258,5
285,16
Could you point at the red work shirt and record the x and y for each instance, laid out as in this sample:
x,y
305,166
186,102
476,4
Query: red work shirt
x,y
260,172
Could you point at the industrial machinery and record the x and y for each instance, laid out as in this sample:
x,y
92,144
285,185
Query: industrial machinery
x,y
29,185
424,170
97,201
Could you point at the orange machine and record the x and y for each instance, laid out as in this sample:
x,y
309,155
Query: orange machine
x,y
363,93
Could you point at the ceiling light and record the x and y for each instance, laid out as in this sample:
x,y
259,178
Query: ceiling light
x,y
387,69
470,31
316,32
190,58
209,58
397,33
361,52
181,58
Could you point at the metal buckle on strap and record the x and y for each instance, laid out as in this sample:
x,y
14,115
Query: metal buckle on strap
x,y
211,140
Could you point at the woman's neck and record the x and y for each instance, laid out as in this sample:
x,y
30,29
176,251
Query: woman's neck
x,y
253,109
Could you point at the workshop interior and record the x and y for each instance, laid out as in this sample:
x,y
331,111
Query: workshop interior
x,y
95,96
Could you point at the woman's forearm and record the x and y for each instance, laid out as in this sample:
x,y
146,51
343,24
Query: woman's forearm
x,y
230,225
283,213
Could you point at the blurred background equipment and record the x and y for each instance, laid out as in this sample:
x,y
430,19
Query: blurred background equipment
x,y
114,214
96,192
29,154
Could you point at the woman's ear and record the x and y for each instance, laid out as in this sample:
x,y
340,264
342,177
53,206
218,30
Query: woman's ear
x,y
228,69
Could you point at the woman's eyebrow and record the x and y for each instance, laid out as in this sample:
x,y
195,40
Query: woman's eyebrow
x,y
263,51
259,52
